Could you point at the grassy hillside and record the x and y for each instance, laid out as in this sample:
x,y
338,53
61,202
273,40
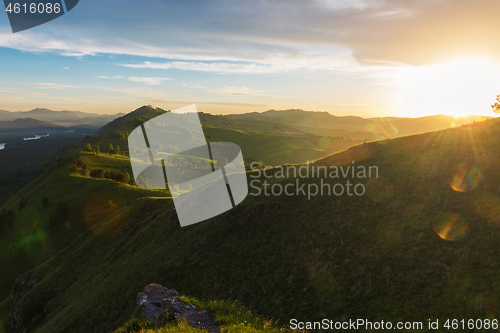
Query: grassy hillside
x,y
411,249
270,142
276,149
33,240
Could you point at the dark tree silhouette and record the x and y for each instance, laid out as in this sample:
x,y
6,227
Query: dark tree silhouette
x,y
23,204
59,217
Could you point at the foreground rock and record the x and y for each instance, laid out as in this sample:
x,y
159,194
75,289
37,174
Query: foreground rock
x,y
159,305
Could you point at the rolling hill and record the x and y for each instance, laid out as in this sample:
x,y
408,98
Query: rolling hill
x,y
421,242
270,142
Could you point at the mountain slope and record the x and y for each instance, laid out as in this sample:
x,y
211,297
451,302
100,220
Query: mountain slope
x,y
379,256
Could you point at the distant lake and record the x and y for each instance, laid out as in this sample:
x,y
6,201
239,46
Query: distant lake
x,y
37,137
2,146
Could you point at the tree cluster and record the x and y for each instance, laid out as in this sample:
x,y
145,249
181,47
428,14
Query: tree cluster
x,y
117,176
79,167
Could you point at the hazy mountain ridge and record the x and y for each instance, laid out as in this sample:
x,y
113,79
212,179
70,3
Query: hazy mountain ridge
x,y
63,118
30,124
358,128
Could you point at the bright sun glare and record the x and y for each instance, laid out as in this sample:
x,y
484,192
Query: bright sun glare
x,y
457,88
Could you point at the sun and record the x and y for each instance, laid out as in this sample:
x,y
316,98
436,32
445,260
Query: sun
x,y
457,88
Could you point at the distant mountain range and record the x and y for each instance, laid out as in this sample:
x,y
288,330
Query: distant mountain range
x,y
62,118
356,128
292,121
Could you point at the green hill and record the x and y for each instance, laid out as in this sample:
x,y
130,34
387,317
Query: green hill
x,y
277,149
270,142
421,244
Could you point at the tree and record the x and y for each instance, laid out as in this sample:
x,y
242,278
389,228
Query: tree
x,y
127,178
23,204
110,207
117,150
496,107
87,147
97,150
85,170
110,148
45,202
61,215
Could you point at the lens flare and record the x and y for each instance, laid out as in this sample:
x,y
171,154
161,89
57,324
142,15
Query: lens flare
x,y
383,129
466,177
451,227
379,189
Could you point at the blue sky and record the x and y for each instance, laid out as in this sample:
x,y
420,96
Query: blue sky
x,y
367,58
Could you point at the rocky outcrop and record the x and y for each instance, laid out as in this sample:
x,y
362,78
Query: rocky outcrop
x,y
22,286
159,305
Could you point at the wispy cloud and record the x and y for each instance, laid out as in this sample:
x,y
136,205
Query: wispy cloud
x,y
148,80
111,77
67,67
46,85
312,58
76,54
412,32
238,91
221,67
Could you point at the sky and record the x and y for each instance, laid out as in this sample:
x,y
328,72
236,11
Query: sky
x,y
366,58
